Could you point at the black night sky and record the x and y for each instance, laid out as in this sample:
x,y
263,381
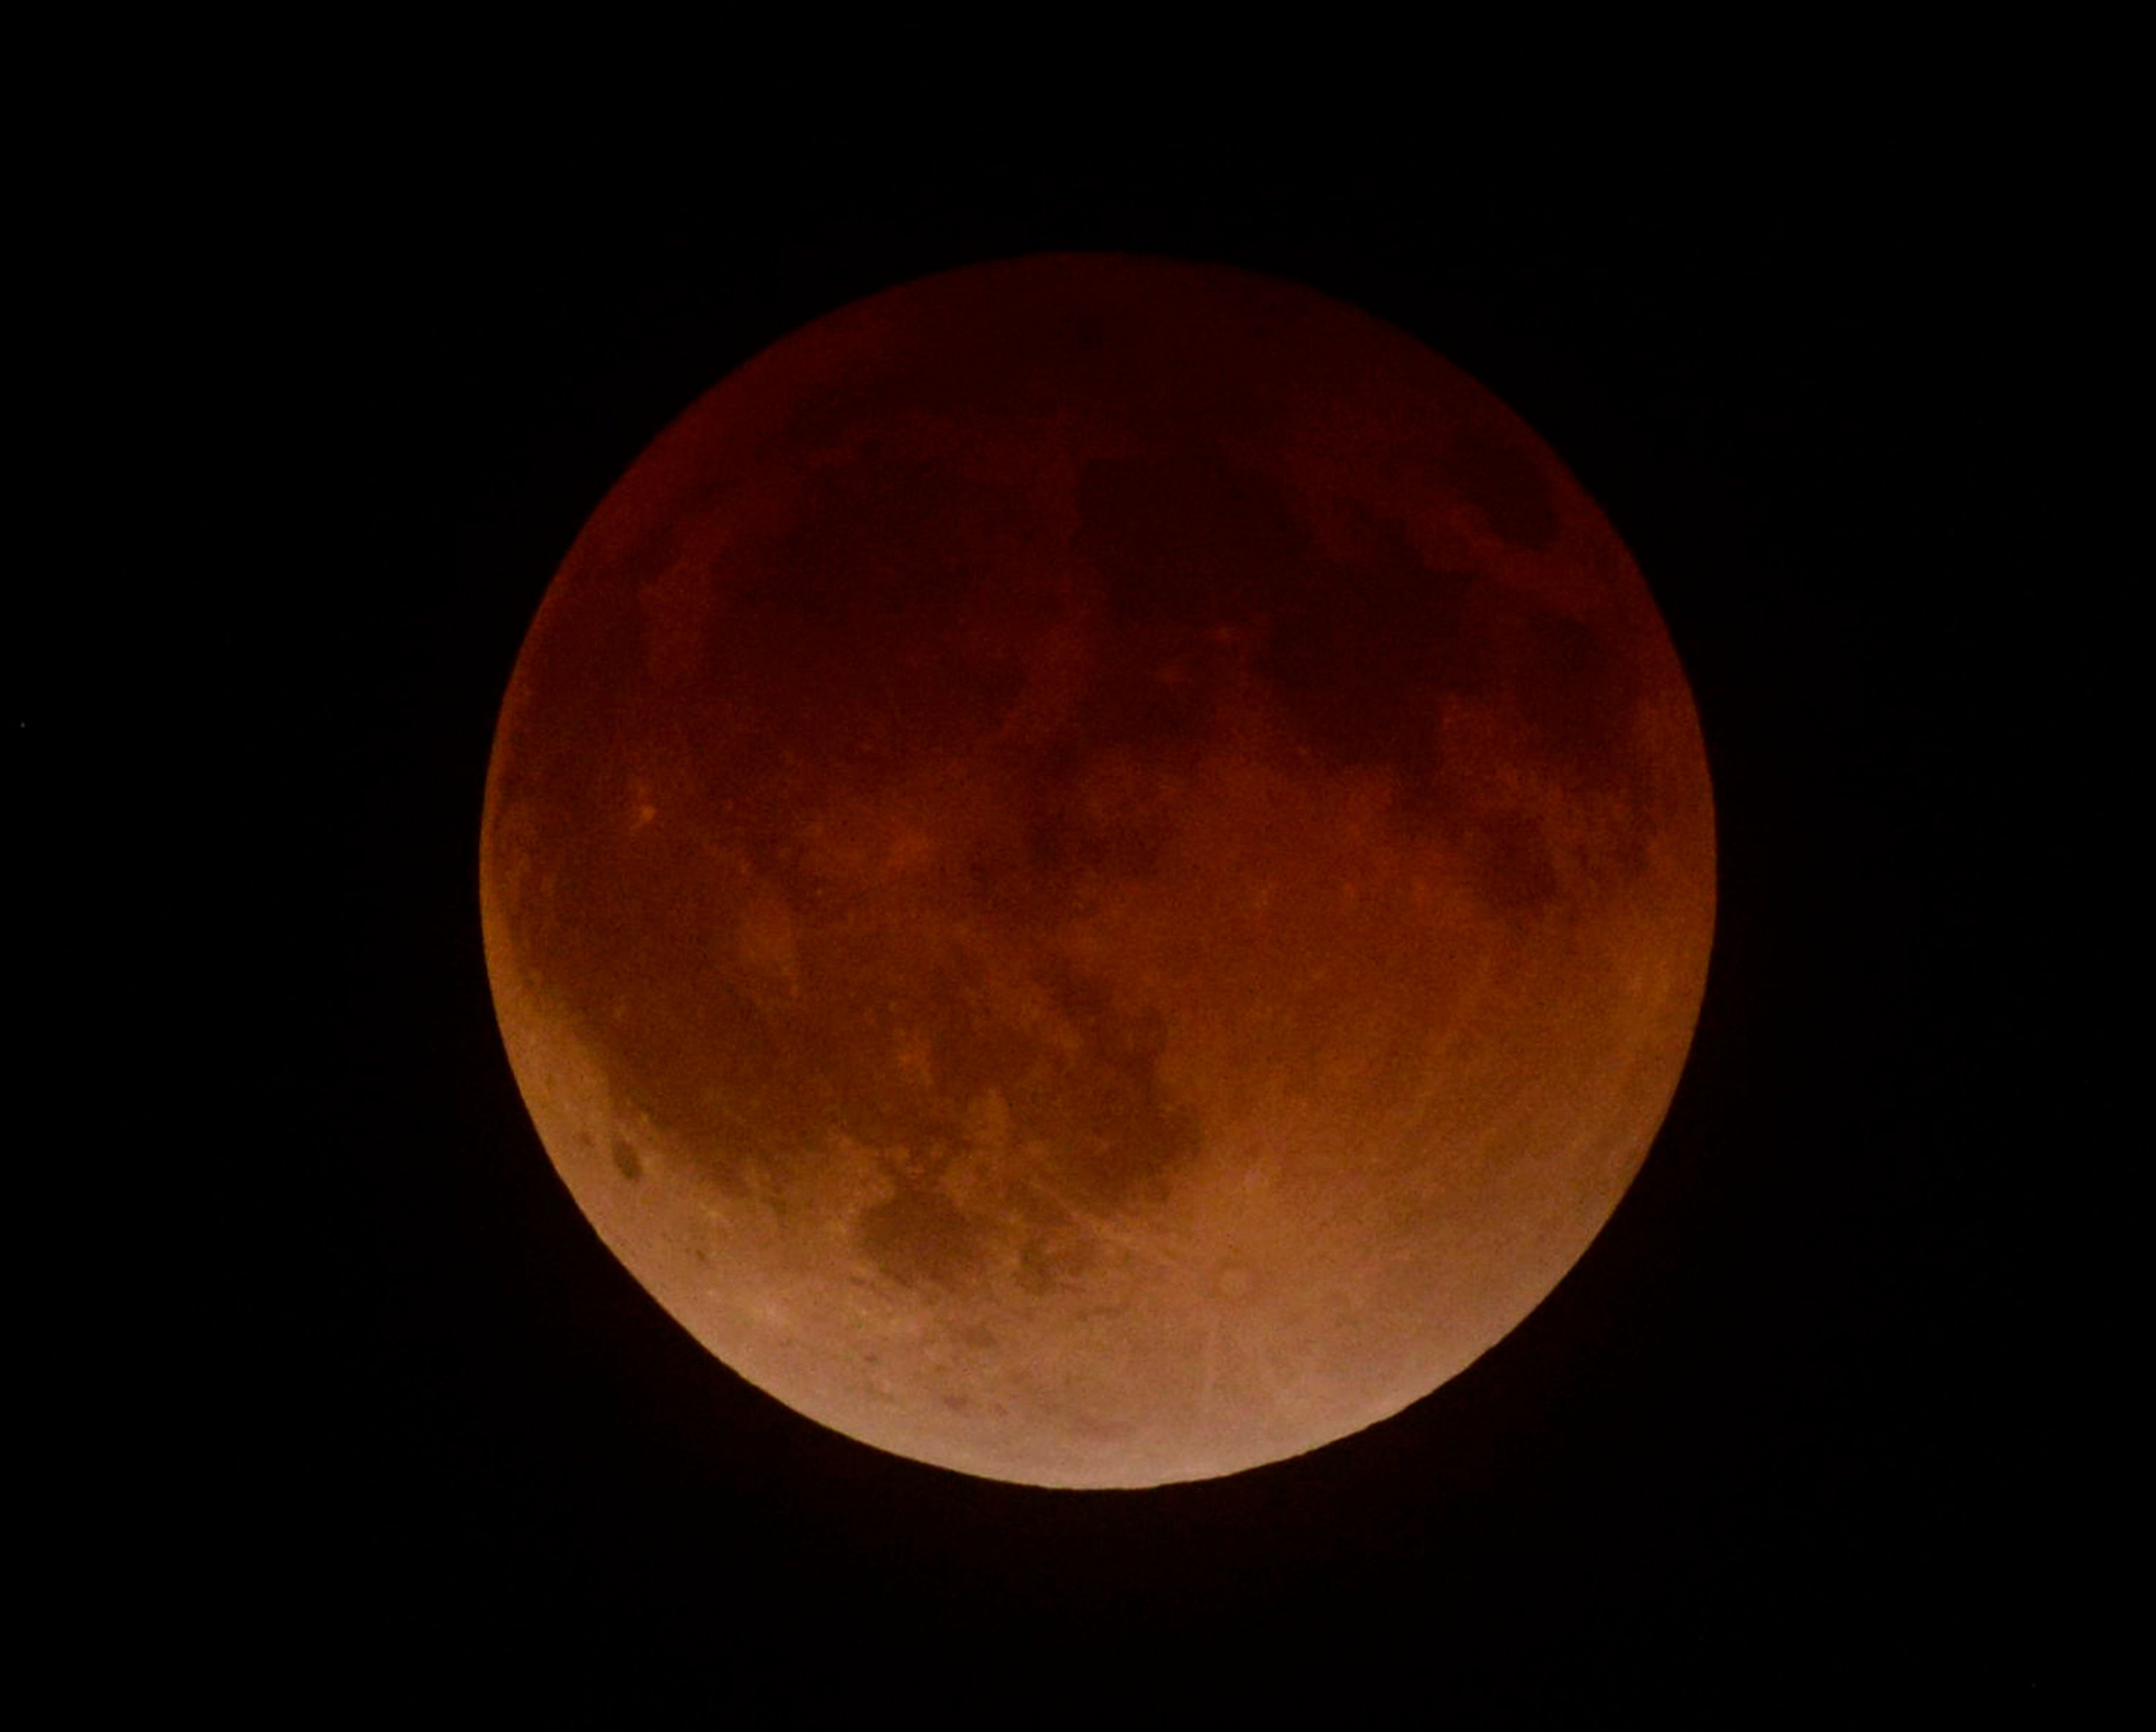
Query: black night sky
x,y
1755,1447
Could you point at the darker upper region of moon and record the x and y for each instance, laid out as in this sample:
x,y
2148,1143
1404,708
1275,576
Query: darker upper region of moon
x,y
885,629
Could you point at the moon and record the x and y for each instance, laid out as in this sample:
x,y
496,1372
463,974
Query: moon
x,y
1097,870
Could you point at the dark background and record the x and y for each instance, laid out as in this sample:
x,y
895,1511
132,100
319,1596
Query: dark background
x,y
1766,1439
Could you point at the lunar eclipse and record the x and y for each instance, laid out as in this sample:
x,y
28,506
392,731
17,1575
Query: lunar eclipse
x,y
1097,870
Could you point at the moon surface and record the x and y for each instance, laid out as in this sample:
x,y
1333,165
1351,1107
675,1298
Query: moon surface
x,y
1097,870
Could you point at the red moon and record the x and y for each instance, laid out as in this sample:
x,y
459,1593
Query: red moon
x,y
1097,870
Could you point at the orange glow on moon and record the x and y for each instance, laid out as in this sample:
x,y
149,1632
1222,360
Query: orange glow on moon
x,y
1097,870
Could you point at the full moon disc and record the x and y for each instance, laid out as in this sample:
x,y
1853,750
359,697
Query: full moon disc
x,y
1097,870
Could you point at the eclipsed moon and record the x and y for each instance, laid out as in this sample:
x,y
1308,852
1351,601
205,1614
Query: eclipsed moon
x,y
1098,871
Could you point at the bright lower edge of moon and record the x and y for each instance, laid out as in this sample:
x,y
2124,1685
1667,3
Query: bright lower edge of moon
x,y
1097,871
